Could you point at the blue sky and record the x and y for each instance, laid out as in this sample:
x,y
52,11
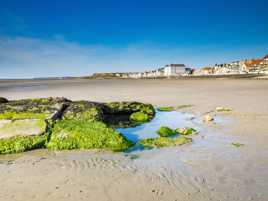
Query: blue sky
x,y
61,38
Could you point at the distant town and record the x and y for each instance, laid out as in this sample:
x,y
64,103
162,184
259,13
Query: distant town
x,y
242,67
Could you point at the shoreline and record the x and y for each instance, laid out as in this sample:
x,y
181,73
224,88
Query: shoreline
x,y
210,76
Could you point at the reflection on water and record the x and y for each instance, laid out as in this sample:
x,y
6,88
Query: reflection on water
x,y
173,119
119,121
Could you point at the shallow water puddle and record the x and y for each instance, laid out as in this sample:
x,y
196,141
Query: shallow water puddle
x,y
172,119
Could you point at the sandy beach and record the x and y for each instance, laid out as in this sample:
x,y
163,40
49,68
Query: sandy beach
x,y
210,168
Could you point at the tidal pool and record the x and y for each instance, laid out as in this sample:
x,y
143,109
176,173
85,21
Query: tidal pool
x,y
172,119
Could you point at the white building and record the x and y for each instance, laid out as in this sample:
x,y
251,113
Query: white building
x,y
174,70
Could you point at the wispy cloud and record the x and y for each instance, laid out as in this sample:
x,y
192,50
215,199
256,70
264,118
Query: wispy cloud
x,y
22,57
28,57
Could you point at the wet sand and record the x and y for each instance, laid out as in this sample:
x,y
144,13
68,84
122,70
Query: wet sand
x,y
208,169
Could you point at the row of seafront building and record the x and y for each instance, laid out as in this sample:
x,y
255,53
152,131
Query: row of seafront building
x,y
251,66
170,70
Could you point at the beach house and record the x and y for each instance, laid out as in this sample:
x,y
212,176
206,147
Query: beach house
x,y
174,70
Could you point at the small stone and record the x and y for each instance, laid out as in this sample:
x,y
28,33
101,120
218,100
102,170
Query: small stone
x,y
208,118
186,131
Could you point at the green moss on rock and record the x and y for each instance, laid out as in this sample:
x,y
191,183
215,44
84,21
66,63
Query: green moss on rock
x,y
22,115
165,131
25,124
48,106
22,143
185,131
75,134
166,108
164,142
83,110
139,117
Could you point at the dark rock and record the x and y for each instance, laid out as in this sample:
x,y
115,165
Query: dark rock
x,y
83,110
3,100
128,108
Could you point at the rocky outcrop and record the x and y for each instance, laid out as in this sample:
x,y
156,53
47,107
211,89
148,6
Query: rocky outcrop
x,y
24,124
58,123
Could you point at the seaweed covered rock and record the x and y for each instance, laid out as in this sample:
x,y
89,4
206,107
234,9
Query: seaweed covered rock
x,y
164,142
83,110
76,134
22,143
165,131
62,124
186,131
3,100
139,117
129,108
48,107
24,123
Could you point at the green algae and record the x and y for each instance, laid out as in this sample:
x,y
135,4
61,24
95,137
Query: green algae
x,y
139,117
184,106
22,143
237,144
166,108
165,131
164,142
77,134
223,109
185,131
22,115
